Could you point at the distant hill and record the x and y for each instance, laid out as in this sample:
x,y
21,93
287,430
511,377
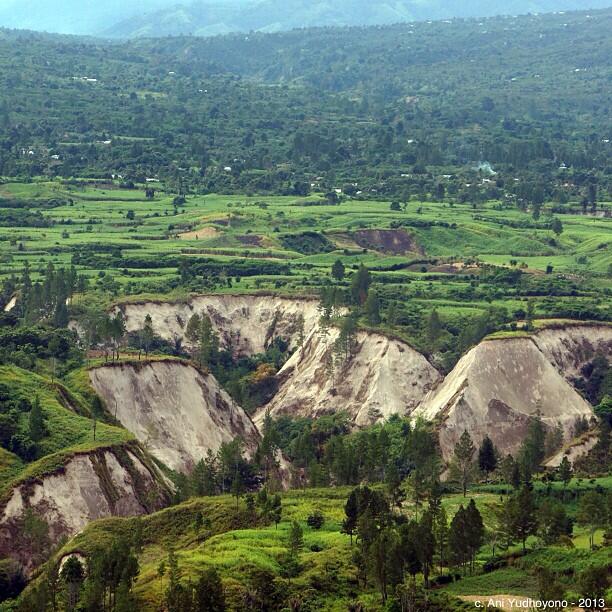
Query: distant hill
x,y
140,18
72,16
211,18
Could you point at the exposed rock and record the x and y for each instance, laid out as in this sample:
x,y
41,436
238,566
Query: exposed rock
x,y
570,347
247,323
577,448
382,377
495,389
175,410
10,304
89,486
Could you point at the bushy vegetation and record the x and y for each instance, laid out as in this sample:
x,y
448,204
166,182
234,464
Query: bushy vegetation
x,y
357,554
438,183
382,110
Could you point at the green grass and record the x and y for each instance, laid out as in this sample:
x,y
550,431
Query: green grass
x,y
236,547
68,432
511,581
246,229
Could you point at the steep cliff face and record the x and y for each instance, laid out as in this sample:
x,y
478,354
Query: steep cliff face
x,y
382,377
175,410
495,389
247,323
40,511
570,347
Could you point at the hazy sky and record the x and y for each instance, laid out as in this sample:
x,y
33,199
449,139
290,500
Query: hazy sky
x,y
98,16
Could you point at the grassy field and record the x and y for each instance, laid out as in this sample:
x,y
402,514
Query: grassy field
x,y
422,252
67,421
328,575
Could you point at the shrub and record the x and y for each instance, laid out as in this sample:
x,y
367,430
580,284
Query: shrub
x,y
316,520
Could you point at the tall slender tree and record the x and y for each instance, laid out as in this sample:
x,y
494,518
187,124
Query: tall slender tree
x,y
462,464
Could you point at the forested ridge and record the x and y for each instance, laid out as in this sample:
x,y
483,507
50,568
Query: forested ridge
x,y
317,320
383,110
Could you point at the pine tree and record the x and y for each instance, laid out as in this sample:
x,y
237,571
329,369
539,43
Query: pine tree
x,y
475,531
209,595
276,510
296,538
410,548
565,472
347,338
457,539
200,333
268,447
300,330
192,331
533,449
73,575
529,315
440,530
351,511
462,464
338,270
360,284
238,487
393,481
372,308
487,456
593,512
60,316
523,510
417,488
380,559
36,427
500,534
434,327
427,545
147,334
553,521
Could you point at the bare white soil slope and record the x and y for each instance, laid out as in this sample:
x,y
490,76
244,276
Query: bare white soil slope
x,y
495,389
382,377
569,348
175,410
576,449
247,323
102,483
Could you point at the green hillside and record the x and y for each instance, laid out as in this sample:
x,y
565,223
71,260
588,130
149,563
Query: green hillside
x,y
65,431
249,555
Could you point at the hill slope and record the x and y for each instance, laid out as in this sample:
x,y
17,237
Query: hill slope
x,y
176,410
496,389
206,19
246,323
62,499
382,377
211,17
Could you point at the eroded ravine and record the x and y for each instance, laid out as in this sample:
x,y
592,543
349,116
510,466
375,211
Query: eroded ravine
x,y
177,411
